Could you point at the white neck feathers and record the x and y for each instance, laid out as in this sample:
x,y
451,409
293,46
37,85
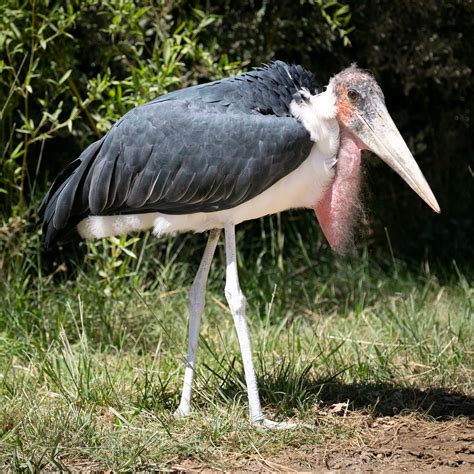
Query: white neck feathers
x,y
318,115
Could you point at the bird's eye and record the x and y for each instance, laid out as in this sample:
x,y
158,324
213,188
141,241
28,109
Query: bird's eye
x,y
352,95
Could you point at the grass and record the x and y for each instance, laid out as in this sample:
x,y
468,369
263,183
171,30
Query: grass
x,y
91,365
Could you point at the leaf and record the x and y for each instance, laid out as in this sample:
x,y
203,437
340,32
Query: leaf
x,y
65,76
128,252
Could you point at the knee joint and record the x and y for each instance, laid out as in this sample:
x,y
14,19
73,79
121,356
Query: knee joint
x,y
235,299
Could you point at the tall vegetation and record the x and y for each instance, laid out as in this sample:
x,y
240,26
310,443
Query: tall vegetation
x,y
70,69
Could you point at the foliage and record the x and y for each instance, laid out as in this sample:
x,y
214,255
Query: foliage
x,y
69,69
76,67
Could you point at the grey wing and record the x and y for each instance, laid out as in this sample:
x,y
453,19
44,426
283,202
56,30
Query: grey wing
x,y
169,158
177,158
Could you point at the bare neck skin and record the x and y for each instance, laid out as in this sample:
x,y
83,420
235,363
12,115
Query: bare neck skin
x,y
336,210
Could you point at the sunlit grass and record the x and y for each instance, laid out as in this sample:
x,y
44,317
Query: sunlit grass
x,y
91,367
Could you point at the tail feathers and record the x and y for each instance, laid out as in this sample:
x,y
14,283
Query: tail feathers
x,y
63,208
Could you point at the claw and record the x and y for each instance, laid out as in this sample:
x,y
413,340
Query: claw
x,y
267,424
181,413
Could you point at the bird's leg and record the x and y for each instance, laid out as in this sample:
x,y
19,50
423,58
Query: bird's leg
x,y
236,300
196,307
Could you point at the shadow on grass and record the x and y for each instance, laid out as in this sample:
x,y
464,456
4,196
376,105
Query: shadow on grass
x,y
378,399
387,400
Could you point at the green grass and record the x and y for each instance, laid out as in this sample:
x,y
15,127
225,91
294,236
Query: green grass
x,y
91,365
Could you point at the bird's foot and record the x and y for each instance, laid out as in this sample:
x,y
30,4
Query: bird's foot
x,y
266,424
182,412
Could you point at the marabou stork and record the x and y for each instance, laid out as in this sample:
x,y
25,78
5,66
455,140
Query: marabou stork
x,y
211,156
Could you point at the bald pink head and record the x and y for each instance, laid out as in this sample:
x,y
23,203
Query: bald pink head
x,y
364,124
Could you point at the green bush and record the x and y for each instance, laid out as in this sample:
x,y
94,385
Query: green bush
x,y
70,69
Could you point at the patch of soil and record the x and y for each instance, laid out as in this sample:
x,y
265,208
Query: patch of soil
x,y
397,444
405,444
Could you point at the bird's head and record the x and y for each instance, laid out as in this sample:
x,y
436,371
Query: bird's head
x,y
364,123
361,111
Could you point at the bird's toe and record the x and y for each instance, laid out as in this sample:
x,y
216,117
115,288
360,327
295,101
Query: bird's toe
x,y
267,424
181,412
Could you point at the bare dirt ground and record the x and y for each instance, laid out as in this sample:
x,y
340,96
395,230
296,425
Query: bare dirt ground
x,y
394,444
397,444
406,430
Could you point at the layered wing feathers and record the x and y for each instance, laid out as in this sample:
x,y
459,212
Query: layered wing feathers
x,y
201,149
171,159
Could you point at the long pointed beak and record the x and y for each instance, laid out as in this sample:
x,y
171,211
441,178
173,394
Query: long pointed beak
x,y
382,137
